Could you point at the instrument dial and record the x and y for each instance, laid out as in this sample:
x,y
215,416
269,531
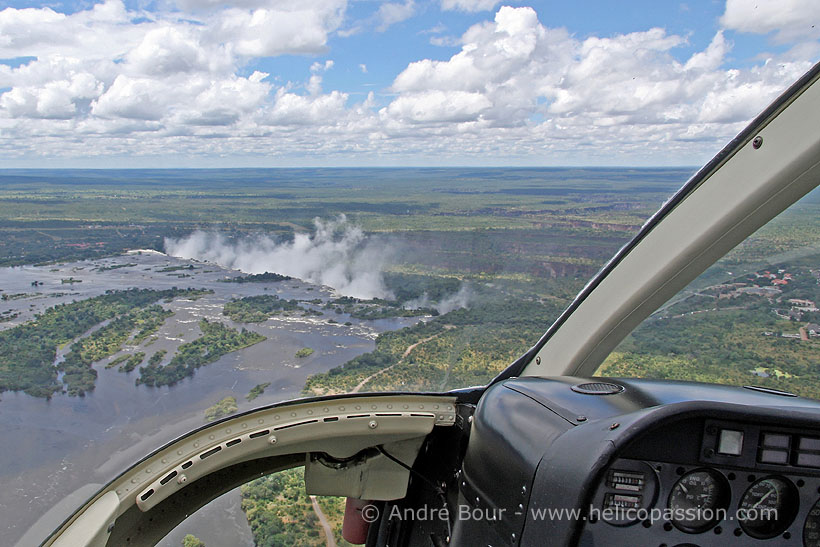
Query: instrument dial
x,y
811,528
697,500
768,507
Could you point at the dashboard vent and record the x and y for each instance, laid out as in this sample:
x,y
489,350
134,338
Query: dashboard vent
x,y
598,388
771,391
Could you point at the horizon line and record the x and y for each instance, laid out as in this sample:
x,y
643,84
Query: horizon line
x,y
4,169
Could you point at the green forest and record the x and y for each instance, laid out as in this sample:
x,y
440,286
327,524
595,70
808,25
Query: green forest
x,y
220,409
517,244
28,351
216,340
727,333
255,309
281,514
266,277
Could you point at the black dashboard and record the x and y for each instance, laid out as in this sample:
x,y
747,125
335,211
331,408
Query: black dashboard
x,y
573,461
708,481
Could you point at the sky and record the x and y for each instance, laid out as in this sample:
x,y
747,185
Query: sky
x,y
288,83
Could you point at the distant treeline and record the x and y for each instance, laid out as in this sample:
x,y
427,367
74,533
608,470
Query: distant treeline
x,y
258,278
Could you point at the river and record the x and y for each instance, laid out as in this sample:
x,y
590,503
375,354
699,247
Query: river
x,y
53,448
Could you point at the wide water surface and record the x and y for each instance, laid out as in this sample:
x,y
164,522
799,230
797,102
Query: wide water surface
x,y
52,448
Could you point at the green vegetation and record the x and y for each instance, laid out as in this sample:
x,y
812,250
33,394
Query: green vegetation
x,y
256,391
461,348
559,219
8,315
413,295
135,360
150,323
523,240
375,308
79,376
157,358
118,361
28,351
191,540
266,277
255,309
216,341
189,267
281,514
407,287
221,409
334,510
732,333
116,267
304,352
16,296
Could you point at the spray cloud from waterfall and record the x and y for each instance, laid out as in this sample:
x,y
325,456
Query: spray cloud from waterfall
x,y
460,299
336,254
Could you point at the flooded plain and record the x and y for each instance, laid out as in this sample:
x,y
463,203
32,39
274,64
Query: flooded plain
x,y
53,448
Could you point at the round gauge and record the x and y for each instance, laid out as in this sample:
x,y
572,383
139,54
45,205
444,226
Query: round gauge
x,y
698,500
768,507
811,528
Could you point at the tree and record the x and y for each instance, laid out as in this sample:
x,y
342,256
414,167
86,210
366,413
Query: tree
x,y
191,540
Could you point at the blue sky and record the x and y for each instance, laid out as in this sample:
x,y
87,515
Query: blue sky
x,y
408,82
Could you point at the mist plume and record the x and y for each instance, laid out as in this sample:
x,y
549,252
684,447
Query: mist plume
x,y
460,299
337,254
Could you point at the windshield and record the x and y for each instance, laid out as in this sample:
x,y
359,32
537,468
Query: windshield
x,y
206,208
751,319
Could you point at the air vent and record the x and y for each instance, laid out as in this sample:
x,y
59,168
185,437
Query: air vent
x,y
598,388
771,391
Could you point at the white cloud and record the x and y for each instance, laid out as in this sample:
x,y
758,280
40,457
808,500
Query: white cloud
x,y
788,19
170,50
513,72
445,41
391,13
137,98
112,82
98,67
321,67
292,109
437,106
468,5
266,32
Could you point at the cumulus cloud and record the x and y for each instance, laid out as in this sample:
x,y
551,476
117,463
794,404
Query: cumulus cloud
x,y
112,81
625,89
109,71
787,19
336,254
267,32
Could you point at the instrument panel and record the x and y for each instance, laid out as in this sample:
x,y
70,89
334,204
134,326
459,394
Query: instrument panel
x,y
626,462
734,483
